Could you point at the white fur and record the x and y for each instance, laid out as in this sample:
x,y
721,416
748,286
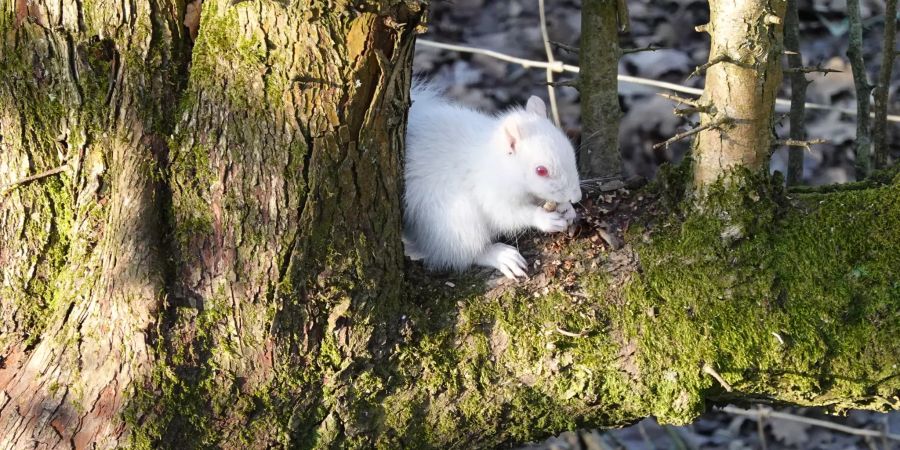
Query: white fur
x,y
471,177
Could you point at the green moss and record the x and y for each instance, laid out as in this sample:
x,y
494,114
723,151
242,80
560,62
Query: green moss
x,y
224,51
773,293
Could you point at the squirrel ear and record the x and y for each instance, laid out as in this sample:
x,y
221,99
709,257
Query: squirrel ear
x,y
512,134
536,106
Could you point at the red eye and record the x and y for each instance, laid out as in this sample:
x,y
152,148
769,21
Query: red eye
x,y
541,171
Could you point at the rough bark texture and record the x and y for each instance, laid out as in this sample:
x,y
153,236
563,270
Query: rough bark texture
x,y
600,114
741,83
89,85
171,268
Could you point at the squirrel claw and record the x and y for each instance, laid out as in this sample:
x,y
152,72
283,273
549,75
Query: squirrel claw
x,y
504,258
550,222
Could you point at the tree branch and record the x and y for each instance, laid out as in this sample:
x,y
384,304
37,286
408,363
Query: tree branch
x,y
809,69
8,188
879,130
714,124
551,91
649,48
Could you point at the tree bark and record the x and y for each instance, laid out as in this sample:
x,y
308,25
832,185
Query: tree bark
x,y
600,114
204,235
863,147
90,87
219,262
799,84
742,78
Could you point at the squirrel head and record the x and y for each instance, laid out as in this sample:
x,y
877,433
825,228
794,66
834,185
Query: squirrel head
x,y
541,153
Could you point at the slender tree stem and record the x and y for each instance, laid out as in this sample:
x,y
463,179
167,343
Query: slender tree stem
x,y
598,86
883,90
798,93
863,147
551,90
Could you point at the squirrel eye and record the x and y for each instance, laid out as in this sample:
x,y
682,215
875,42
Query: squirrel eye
x,y
541,171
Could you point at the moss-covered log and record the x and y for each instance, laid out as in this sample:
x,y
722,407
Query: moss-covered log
x,y
791,301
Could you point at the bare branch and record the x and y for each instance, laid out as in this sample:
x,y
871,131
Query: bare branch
x,y
559,66
565,47
573,83
714,124
6,189
677,99
570,334
551,92
799,143
649,48
707,369
702,67
811,69
768,412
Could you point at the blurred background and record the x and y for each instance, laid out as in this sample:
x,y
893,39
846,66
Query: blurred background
x,y
512,27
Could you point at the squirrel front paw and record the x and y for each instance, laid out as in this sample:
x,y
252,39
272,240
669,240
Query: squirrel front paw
x,y
504,258
567,211
550,221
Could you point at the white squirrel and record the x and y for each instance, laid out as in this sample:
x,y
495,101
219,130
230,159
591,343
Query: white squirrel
x,y
471,178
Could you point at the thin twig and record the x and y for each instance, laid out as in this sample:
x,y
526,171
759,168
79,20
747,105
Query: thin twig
x,y
559,66
723,58
565,47
811,69
551,91
569,333
768,412
649,48
707,369
882,92
799,143
677,99
689,133
564,83
6,189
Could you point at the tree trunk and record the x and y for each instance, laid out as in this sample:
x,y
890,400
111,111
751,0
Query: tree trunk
x,y
600,114
91,88
218,262
742,79
207,239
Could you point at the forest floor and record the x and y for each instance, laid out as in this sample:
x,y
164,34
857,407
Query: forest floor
x,y
512,27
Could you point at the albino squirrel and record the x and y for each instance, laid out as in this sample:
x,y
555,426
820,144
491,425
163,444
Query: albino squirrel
x,y
471,177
